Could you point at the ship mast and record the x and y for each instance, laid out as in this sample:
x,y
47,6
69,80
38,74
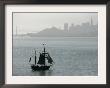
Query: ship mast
x,y
44,47
35,57
44,52
41,60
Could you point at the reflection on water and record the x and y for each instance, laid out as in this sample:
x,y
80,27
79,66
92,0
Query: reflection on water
x,y
43,73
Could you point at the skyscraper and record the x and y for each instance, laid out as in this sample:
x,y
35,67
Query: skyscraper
x,y
66,26
91,22
71,27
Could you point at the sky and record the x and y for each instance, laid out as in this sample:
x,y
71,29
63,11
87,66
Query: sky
x,y
35,22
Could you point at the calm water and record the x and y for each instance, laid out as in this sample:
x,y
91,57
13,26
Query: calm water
x,y
72,56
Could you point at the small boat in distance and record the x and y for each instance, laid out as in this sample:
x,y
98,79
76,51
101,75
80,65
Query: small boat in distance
x,y
41,64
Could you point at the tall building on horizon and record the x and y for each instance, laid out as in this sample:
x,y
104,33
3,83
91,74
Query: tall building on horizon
x,y
66,26
91,22
71,27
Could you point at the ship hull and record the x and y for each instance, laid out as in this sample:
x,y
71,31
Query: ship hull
x,y
39,68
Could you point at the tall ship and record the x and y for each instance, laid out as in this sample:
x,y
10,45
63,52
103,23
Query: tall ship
x,y
40,64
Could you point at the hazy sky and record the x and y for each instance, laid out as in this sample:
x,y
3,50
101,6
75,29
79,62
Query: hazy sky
x,y
35,22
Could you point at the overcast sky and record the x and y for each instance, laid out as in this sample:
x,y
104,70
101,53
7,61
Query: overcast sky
x,y
35,22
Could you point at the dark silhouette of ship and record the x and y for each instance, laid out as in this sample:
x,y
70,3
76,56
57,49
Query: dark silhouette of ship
x,y
41,64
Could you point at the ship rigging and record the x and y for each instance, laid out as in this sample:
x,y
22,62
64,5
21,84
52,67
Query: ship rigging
x,y
41,63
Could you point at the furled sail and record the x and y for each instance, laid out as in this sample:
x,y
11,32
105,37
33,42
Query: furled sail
x,y
49,59
30,59
41,59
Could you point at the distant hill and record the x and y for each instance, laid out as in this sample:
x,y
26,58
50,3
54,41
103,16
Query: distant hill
x,y
77,31
50,32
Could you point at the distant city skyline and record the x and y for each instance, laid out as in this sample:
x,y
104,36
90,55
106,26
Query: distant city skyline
x,y
24,23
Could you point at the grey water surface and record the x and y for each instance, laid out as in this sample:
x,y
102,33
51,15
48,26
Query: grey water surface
x,y
73,56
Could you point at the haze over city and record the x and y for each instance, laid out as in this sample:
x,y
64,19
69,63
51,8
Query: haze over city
x,y
35,22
